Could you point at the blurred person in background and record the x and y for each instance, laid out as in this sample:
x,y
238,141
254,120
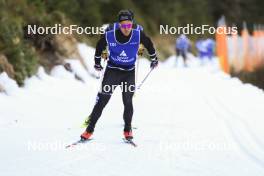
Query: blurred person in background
x,y
206,49
182,47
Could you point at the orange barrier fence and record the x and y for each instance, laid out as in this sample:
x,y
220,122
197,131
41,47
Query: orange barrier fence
x,y
221,49
243,52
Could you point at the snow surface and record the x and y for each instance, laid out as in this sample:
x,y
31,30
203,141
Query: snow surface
x,y
194,121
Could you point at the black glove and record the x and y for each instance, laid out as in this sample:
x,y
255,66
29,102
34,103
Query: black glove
x,y
154,63
98,67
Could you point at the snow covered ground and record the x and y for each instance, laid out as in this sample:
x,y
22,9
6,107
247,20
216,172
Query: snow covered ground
x,y
194,121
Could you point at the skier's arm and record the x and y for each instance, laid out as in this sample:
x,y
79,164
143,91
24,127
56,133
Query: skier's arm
x,y
100,46
145,40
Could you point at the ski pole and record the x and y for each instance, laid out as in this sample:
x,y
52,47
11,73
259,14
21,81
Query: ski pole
x,y
101,75
137,69
142,82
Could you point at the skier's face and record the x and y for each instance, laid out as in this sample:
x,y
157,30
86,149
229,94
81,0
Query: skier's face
x,y
126,27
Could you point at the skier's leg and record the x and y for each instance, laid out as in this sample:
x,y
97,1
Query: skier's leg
x,y
177,56
184,55
101,101
128,109
109,83
127,96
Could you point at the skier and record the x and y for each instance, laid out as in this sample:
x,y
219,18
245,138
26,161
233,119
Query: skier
x,y
205,49
104,55
123,43
182,47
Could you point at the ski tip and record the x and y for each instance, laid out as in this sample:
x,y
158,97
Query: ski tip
x,y
130,141
78,142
